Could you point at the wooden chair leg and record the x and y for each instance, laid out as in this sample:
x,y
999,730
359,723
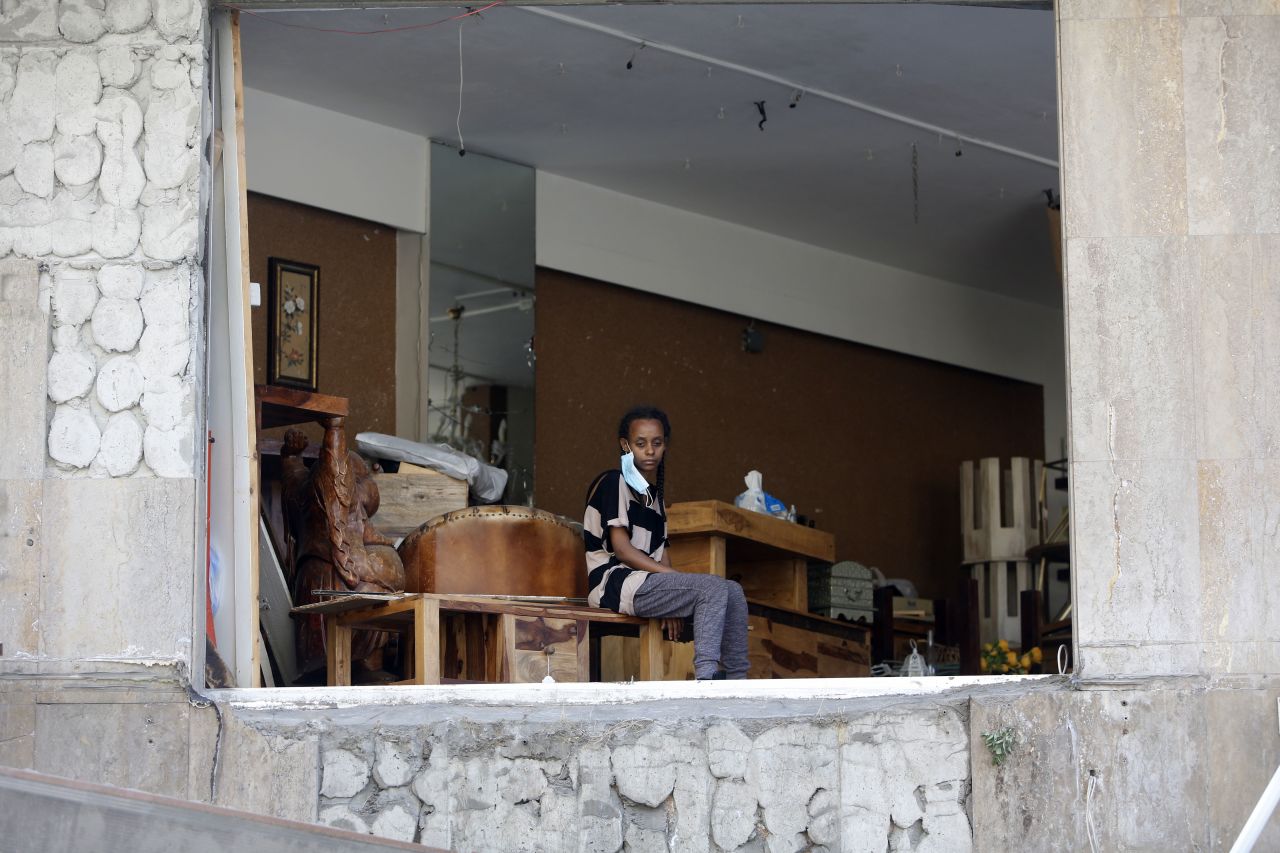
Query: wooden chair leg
x,y
338,652
651,662
426,641
583,648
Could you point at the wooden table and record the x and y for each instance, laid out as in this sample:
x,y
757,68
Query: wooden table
x,y
489,638
767,555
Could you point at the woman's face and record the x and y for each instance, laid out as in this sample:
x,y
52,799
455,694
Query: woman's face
x,y
646,441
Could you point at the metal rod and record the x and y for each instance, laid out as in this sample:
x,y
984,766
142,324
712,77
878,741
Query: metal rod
x,y
791,85
1258,819
522,304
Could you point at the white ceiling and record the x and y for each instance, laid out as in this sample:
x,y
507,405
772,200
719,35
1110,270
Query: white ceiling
x,y
656,132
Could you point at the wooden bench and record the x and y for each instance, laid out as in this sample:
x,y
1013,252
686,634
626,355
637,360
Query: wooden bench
x,y
471,638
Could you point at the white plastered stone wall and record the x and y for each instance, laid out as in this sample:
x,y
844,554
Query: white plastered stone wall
x,y
100,154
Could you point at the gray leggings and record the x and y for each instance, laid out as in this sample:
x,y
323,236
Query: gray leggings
x,y
719,611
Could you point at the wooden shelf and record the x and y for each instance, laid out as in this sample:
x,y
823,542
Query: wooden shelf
x,y
278,407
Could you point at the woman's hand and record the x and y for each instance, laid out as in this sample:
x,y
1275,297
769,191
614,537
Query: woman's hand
x,y
673,627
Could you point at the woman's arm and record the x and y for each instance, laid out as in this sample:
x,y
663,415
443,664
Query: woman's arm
x,y
631,555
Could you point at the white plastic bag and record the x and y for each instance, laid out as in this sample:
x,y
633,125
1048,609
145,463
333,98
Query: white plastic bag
x,y
487,482
753,498
756,499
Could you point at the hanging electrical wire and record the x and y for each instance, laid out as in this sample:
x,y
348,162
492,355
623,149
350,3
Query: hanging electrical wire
x,y
462,145
379,32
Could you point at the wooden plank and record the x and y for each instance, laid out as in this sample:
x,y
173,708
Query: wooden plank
x,y
279,406
380,610
677,661
842,659
738,524
779,583
485,604
426,641
855,632
409,500
619,658
651,653
507,647
793,652
341,604
492,649
699,552
475,648
246,310
759,656
583,650
543,646
338,653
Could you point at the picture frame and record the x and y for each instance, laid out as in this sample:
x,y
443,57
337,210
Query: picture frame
x,y
293,324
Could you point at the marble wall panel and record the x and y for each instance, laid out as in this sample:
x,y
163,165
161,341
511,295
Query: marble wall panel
x,y
1217,8
1123,153
1232,115
1086,9
1240,565
1237,367
1136,561
1130,308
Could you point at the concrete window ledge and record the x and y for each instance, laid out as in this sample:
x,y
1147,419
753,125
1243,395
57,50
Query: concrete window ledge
x,y
688,693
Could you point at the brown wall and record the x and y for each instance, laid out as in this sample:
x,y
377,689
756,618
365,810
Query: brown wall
x,y
357,261
866,441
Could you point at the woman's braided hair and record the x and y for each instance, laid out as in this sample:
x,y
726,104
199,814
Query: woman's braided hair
x,y
649,413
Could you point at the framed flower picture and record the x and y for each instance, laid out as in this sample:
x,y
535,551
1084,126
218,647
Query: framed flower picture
x,y
293,291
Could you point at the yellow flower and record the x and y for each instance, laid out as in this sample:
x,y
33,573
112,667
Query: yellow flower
x,y
1036,654
1004,645
983,666
987,647
1004,667
1026,662
1011,657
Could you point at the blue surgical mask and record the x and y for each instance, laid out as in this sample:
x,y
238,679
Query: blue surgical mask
x,y
632,474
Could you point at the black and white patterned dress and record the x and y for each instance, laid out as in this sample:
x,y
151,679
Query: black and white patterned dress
x,y
613,503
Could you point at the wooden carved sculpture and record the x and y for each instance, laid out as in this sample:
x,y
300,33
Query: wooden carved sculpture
x,y
335,545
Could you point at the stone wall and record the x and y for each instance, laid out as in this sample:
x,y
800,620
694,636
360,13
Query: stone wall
x,y
101,151
896,779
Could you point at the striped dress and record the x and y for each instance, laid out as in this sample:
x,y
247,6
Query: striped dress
x,y
613,503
